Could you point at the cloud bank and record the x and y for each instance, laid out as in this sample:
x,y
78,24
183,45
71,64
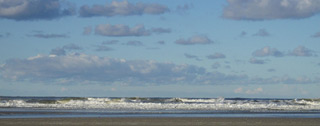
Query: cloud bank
x,y
122,8
78,68
34,9
81,67
270,9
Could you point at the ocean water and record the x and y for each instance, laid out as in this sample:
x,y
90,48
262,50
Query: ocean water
x,y
48,107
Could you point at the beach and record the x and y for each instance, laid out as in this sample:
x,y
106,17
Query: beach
x,y
159,121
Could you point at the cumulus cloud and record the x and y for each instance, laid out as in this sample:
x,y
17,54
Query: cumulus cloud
x,y
257,61
120,30
122,8
262,33
34,9
197,39
216,56
267,51
302,51
270,9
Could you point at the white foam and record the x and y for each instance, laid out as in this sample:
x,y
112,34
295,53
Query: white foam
x,y
171,104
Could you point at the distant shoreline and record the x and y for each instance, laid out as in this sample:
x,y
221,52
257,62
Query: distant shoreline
x,y
159,121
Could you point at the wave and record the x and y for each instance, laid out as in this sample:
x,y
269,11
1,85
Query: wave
x,y
173,104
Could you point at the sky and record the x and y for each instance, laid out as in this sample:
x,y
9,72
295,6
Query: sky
x,y
149,48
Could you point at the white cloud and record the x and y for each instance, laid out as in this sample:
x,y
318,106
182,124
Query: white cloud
x,y
122,8
270,9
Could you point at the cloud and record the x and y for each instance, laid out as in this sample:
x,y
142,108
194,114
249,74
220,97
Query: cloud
x,y
267,51
216,65
240,90
255,91
87,30
192,57
214,78
316,35
40,34
103,48
5,35
161,30
72,47
122,8
35,9
243,33
182,9
110,42
161,42
217,56
120,30
134,43
302,51
59,51
284,80
270,9
262,33
197,39
271,70
81,67
256,61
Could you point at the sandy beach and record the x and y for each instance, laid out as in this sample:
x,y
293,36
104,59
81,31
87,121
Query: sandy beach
x,y
161,122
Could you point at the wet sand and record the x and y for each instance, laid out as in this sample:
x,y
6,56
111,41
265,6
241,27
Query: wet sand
x,y
161,122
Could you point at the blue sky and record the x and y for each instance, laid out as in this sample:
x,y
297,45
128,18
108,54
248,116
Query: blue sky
x,y
146,48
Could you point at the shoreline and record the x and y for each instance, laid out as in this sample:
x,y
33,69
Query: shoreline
x,y
161,121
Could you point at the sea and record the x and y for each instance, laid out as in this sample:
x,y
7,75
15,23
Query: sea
x,y
63,107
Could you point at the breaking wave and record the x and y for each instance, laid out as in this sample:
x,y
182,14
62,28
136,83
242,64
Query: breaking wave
x,y
163,104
